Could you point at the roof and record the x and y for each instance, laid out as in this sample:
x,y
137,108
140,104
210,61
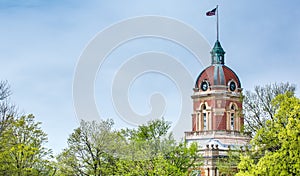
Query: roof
x,y
217,73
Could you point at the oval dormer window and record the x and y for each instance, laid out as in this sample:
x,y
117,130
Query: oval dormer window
x,y
204,85
232,86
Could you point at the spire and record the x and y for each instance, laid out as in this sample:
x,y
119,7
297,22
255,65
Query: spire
x,y
217,54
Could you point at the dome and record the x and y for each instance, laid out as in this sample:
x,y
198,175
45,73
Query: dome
x,y
217,73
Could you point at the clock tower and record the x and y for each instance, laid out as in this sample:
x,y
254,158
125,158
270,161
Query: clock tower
x,y
217,118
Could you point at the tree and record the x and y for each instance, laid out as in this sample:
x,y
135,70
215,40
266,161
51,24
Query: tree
x,y
91,150
258,107
22,140
22,152
152,136
96,149
276,146
185,157
4,90
228,165
161,154
7,109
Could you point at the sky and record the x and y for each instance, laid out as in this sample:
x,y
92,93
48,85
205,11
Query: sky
x,y
41,44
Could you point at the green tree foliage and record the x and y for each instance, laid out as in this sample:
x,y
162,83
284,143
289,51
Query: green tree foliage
x,y
258,109
22,140
227,165
150,138
91,150
276,146
21,148
161,154
95,149
257,105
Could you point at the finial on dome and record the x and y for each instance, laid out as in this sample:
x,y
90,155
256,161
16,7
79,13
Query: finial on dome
x,y
217,54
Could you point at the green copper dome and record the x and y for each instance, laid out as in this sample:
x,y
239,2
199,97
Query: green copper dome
x,y
217,54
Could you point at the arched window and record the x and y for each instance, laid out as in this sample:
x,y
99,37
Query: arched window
x,y
232,117
232,121
204,121
204,117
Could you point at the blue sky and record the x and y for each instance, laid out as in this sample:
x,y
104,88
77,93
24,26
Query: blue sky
x,y
41,42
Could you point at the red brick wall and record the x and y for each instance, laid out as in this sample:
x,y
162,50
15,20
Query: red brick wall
x,y
219,122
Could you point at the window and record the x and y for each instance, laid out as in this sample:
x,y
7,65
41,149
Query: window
x,y
232,121
232,86
204,85
204,121
232,107
204,118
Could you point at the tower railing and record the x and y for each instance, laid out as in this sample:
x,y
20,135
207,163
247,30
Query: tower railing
x,y
216,132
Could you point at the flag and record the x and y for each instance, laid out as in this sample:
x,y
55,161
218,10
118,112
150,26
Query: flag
x,y
212,12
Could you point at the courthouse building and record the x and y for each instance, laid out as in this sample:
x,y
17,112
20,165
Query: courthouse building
x,y
217,117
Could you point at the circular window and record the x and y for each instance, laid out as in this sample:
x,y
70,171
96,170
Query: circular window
x,y
204,85
232,86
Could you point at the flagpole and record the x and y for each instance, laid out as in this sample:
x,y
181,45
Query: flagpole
x,y
217,23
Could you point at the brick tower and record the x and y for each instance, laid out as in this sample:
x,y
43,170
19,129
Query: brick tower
x,y
217,118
